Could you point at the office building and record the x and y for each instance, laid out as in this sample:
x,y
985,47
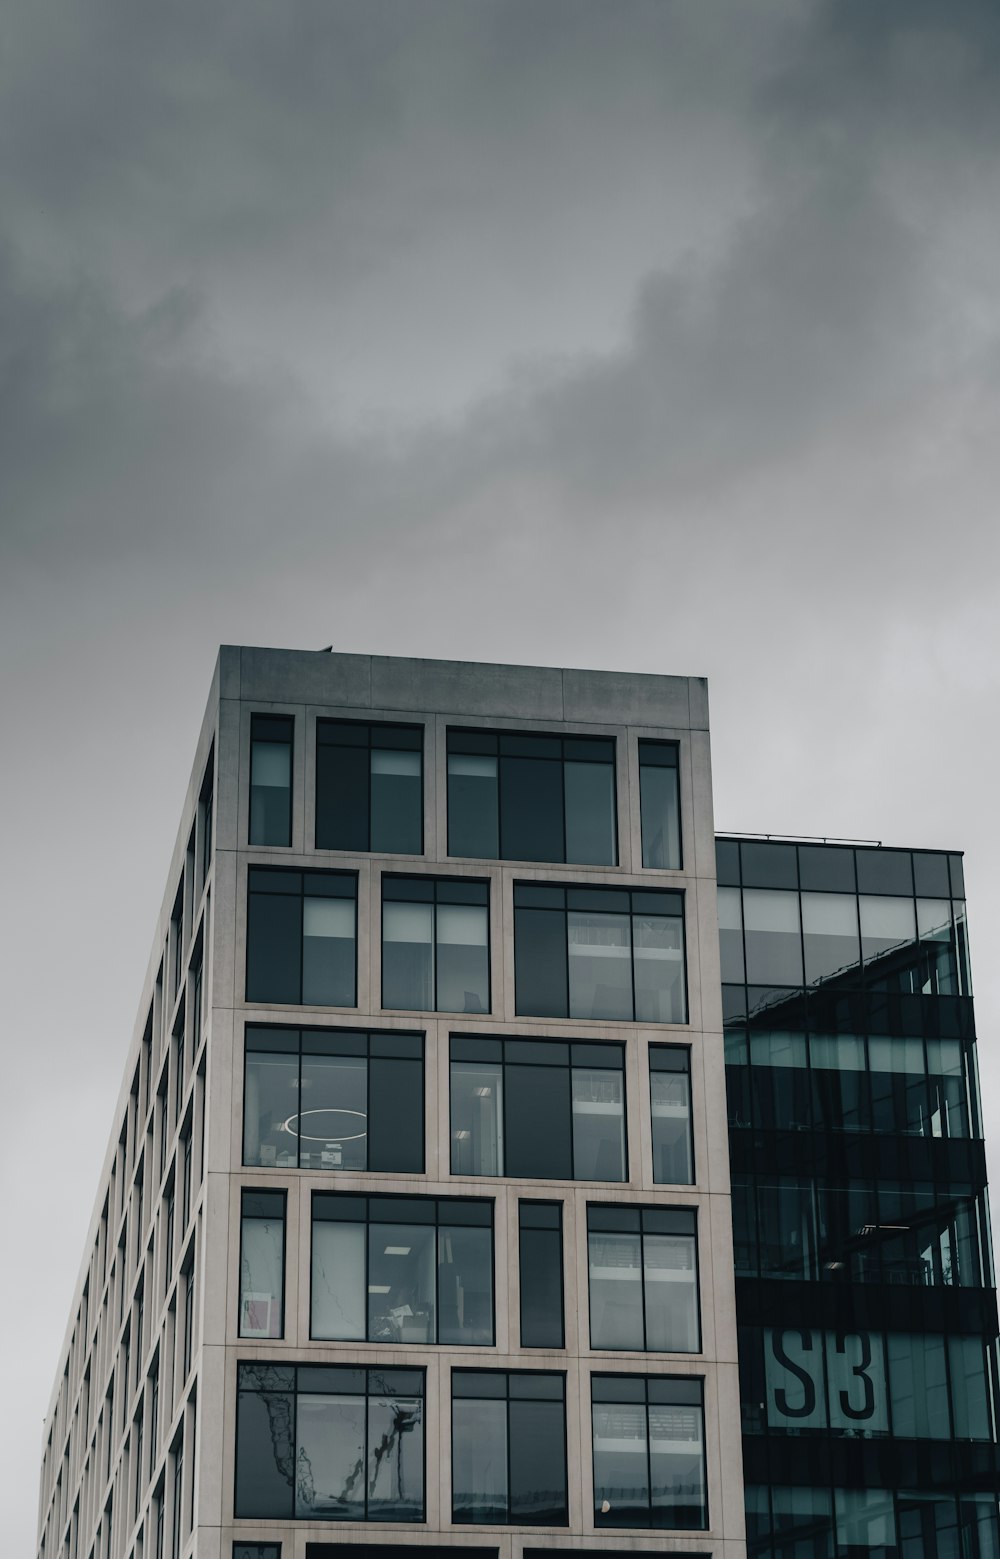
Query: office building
x,y
415,1229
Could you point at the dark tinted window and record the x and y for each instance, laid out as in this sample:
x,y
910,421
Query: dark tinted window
x,y
361,1096
301,937
369,787
532,798
435,944
509,1448
262,1264
271,779
540,1272
659,805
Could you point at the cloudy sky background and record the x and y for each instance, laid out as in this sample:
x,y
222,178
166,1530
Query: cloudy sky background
x,y
646,335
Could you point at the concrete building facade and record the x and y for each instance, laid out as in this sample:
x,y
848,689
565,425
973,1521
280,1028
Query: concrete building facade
x,y
415,1226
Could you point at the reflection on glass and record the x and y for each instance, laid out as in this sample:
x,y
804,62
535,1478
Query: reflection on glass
x,y
463,974
271,779
670,1104
479,1461
600,965
395,1457
659,969
262,1263
616,1319
772,937
401,1283
408,955
598,1124
731,935
476,1118
590,814
886,924
829,934
330,1459
621,1465
338,1280
472,805
659,805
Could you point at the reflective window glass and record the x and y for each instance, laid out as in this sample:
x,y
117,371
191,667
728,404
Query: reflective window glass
x,y
670,1107
262,1264
271,779
659,805
643,1266
540,1271
508,1438
649,1452
369,787
301,937
435,947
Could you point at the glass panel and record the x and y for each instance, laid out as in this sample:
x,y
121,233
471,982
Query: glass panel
x,y
670,1277
338,1281
660,990
615,1290
408,955
670,1100
270,1094
803,1521
262,1260
677,1466
939,970
598,1124
731,936
970,1395
855,1375
885,924
395,1456
264,1453
328,952
659,808
476,1118
540,1271
600,965
538,1122
773,943
590,814
472,806
341,797
396,802
962,949
332,1124
787,1221
479,1460
465,1286
463,962
918,1386
830,935
330,1458
531,810
396,1129
537,1463
274,947
401,1283
270,793
540,973
621,1465
865,1519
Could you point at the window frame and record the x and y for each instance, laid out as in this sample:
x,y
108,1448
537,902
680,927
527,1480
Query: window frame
x,y
436,880
642,1209
435,1224
649,1525
646,742
251,1191
656,1049
300,1053
260,715
303,873
498,734
531,1201
507,1373
570,1067
369,726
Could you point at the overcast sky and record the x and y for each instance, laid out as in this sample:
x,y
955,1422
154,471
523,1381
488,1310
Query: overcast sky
x,y
638,334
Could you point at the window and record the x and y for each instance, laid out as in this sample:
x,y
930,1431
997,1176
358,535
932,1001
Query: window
x,y
659,805
402,1269
540,1271
508,1447
643,1279
649,1452
435,944
301,937
188,1315
599,953
670,1107
323,1443
362,1097
369,787
178,1499
532,798
271,779
541,1109
262,1264
256,1551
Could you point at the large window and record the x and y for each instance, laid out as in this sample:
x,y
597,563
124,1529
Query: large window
x,y
801,1522
508,1447
670,1106
333,1099
301,937
402,1269
262,1264
271,779
599,953
369,787
540,1271
322,1443
659,805
532,798
537,1108
435,944
643,1278
649,1452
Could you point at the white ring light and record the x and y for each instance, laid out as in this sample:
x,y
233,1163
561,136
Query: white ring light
x,y
330,1109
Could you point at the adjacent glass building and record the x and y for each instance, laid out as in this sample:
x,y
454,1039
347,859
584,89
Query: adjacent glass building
x,y
417,1229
